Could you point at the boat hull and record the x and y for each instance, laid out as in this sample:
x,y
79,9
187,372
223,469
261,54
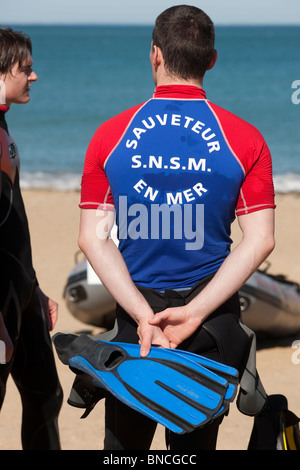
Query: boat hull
x,y
268,306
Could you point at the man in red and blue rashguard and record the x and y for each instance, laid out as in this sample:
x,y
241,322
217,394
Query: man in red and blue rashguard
x,y
175,171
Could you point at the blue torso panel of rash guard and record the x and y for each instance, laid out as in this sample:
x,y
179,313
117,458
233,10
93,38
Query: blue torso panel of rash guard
x,y
175,184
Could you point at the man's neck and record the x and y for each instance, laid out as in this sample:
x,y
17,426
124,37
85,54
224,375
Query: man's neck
x,y
173,80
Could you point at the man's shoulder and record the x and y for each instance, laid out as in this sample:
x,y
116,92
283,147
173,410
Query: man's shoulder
x,y
110,132
119,121
232,123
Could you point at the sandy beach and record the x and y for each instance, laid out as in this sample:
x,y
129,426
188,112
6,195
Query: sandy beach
x,y
54,220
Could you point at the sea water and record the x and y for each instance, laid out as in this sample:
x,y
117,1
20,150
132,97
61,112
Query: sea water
x,y
87,74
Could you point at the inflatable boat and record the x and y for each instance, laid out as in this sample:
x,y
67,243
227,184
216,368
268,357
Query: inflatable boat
x,y
270,304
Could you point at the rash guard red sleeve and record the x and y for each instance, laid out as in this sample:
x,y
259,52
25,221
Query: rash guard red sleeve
x,y
252,153
95,188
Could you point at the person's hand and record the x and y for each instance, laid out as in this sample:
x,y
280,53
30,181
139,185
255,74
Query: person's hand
x,y
150,335
50,308
4,336
177,324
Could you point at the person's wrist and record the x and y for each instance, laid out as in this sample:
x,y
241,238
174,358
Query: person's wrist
x,y
143,312
197,312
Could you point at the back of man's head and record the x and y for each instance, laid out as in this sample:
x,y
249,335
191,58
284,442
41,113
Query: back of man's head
x,y
14,48
186,37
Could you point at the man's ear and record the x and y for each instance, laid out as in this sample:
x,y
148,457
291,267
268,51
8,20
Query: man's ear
x,y
214,60
157,56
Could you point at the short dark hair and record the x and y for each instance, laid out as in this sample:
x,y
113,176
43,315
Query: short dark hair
x,y
14,48
186,37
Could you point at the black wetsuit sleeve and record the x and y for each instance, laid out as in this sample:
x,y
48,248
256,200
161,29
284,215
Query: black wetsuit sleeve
x,y
0,170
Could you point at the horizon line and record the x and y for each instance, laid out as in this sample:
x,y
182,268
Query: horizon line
x,y
40,23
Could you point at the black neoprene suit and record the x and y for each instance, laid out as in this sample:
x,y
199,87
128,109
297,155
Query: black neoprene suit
x,y
32,366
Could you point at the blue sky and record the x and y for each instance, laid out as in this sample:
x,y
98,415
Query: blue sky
x,y
144,12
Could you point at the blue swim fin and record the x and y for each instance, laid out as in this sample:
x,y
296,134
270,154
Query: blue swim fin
x,y
227,372
166,386
222,369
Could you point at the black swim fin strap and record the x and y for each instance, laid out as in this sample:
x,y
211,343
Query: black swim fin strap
x,y
252,397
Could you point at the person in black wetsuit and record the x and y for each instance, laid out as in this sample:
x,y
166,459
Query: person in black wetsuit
x,y
26,313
